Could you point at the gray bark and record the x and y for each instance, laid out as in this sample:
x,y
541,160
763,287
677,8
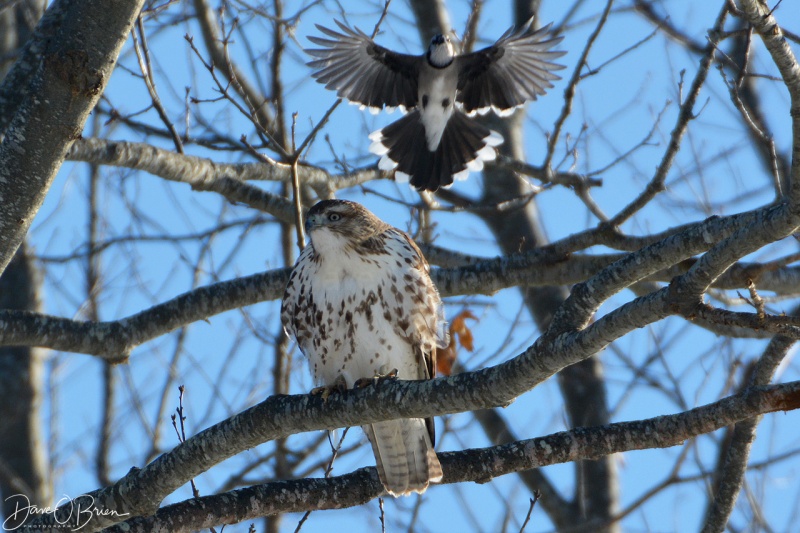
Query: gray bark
x,y
24,469
24,472
46,99
477,465
141,490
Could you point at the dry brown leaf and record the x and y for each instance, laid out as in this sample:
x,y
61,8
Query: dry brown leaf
x,y
459,334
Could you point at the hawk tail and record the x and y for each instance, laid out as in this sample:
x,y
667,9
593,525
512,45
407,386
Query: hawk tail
x,y
404,455
464,146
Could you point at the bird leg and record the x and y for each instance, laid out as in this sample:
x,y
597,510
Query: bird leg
x,y
339,386
376,380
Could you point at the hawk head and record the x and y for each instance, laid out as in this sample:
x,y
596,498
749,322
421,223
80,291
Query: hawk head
x,y
334,224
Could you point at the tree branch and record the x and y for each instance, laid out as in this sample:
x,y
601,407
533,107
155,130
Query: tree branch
x,y
762,19
140,491
114,340
73,70
228,180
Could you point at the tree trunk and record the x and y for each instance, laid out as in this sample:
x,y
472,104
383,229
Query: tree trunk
x,y
23,463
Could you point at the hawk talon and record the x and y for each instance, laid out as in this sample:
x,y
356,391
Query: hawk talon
x,y
339,386
376,380
362,383
391,374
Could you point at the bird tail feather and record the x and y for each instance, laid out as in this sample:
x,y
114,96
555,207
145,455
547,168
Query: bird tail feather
x,y
464,146
404,455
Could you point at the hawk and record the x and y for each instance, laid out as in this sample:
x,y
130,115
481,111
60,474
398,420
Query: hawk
x,y
436,142
361,304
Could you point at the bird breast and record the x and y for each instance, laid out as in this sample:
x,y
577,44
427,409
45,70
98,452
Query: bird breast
x,y
353,313
437,94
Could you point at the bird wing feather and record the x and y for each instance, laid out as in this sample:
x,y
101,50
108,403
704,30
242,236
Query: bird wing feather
x,y
515,69
366,73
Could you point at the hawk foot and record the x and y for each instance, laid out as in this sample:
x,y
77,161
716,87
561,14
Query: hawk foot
x,y
339,386
375,380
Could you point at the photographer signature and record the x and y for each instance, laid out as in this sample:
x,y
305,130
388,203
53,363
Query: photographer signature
x,y
72,514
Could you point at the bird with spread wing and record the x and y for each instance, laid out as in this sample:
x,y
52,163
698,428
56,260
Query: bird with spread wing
x,y
437,141
361,304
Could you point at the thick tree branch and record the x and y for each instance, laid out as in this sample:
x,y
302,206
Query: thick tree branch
x,y
16,84
228,180
73,69
140,491
734,457
114,340
765,225
761,17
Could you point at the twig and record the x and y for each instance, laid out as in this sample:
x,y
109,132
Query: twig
x,y
143,55
335,449
380,19
210,30
382,515
685,115
298,208
471,31
631,48
223,89
536,496
569,92
750,121
757,300
182,432
297,152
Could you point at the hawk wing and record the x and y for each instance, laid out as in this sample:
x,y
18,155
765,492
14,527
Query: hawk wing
x,y
363,72
292,316
515,69
418,315
415,302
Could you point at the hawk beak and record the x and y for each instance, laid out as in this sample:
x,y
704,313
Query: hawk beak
x,y
311,223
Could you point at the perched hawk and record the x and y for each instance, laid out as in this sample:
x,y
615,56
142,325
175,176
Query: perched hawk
x,y
436,142
361,304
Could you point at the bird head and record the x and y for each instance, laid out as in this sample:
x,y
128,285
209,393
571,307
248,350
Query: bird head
x,y
441,51
334,224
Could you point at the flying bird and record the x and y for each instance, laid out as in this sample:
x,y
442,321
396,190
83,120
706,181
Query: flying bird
x,y
436,141
361,304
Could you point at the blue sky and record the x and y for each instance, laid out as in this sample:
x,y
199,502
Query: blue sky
x,y
225,362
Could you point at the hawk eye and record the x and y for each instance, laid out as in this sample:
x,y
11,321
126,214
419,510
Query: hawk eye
x,y
333,217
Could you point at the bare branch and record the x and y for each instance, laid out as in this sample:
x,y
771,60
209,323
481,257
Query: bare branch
x,y
282,416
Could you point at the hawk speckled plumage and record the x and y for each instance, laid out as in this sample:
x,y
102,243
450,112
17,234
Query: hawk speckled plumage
x,y
361,303
436,142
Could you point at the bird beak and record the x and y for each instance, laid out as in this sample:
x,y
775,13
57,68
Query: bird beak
x,y
311,223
